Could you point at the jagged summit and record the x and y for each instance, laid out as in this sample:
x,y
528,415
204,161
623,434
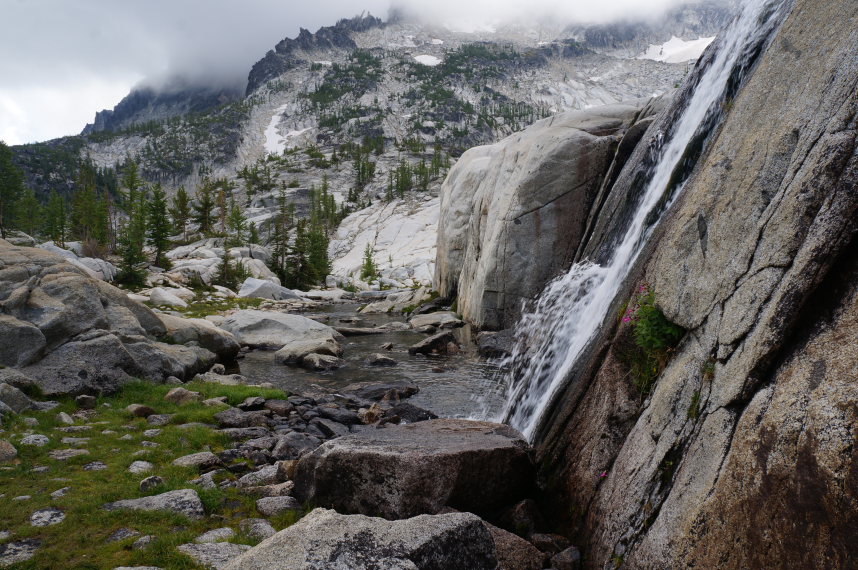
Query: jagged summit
x,y
145,104
285,54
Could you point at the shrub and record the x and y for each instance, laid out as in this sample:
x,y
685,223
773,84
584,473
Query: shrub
x,y
655,337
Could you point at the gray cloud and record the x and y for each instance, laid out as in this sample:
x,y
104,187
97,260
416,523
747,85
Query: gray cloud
x,y
74,58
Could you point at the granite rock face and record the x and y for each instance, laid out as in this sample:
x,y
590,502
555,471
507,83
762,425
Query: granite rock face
x,y
743,454
513,213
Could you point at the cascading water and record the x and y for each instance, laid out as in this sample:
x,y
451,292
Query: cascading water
x,y
571,309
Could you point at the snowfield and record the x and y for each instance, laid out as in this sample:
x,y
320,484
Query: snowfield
x,y
676,50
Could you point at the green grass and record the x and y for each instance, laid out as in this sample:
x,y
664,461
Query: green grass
x,y
79,541
202,309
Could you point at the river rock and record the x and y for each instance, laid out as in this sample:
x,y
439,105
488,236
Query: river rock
x,y
377,359
435,344
402,471
270,330
440,319
201,331
253,288
515,553
295,351
235,418
376,391
182,396
184,502
321,362
458,540
294,445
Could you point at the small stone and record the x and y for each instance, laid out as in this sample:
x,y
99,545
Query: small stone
x,y
86,402
219,401
150,483
274,490
7,451
18,551
172,380
159,419
152,432
22,498
65,418
377,359
149,444
32,422
37,440
47,517
140,467
143,542
259,529
4,535
64,454
40,469
549,543
122,534
201,460
265,476
183,501
60,492
270,506
140,411
286,469
75,440
182,396
252,403
321,362
73,429
95,466
127,437
216,535
387,346
108,432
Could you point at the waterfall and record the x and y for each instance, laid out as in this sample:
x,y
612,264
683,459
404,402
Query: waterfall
x,y
566,317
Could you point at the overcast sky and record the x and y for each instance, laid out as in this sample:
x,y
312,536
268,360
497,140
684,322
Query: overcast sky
x,y
63,60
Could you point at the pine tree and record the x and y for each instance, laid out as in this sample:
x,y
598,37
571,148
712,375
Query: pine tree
x,y
203,207
90,216
131,184
368,270
11,188
222,210
230,274
237,224
180,211
158,226
29,214
56,223
131,244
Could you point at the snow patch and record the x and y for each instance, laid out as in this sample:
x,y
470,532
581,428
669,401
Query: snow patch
x,y
676,50
436,42
325,63
273,143
426,59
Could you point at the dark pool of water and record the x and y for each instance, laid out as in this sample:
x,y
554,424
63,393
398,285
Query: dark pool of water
x,y
450,386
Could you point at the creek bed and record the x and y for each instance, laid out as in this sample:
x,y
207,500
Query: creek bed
x,y
451,386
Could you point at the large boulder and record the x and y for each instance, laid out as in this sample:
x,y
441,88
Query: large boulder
x,y
71,333
325,539
513,213
201,331
403,471
270,330
183,501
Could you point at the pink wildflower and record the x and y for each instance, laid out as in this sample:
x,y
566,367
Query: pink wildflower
x,y
603,474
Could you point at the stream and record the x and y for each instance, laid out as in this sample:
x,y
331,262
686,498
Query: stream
x,y
448,384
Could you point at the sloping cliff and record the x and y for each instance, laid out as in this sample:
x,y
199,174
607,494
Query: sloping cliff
x,y
743,453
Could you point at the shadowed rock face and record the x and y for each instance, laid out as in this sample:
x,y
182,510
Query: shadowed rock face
x,y
71,333
513,213
402,471
325,539
758,261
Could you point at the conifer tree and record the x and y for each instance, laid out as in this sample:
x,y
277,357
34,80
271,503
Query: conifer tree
x,y
203,207
29,214
237,224
56,219
131,244
11,188
180,211
158,226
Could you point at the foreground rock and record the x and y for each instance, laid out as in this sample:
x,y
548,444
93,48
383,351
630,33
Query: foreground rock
x,y
184,502
326,539
402,471
70,333
202,332
216,555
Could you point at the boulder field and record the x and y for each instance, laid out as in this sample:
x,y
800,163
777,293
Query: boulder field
x,y
69,333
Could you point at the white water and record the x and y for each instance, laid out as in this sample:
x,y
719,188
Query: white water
x,y
570,311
